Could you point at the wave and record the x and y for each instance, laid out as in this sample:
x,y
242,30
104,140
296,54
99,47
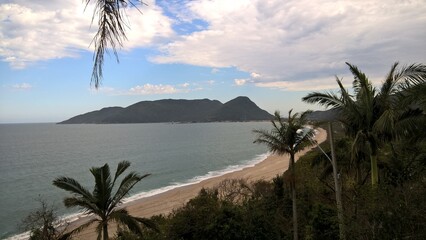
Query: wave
x,y
211,174
21,236
233,168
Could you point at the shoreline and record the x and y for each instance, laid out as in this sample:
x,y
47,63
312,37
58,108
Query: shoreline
x,y
165,202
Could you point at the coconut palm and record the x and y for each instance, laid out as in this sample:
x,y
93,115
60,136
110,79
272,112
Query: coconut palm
x,y
111,31
287,138
102,202
372,115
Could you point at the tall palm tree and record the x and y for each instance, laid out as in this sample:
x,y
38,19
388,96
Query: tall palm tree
x,y
371,114
102,203
111,31
287,138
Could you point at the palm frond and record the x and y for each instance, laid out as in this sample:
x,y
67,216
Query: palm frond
x,y
82,203
122,216
278,119
411,76
411,124
385,124
111,32
303,117
360,79
126,185
388,86
291,118
71,185
284,138
350,109
273,140
327,99
81,228
122,166
103,185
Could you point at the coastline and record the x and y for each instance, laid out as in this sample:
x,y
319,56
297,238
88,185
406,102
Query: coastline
x,y
165,202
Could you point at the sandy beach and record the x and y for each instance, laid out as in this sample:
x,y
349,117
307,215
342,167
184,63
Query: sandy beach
x,y
165,202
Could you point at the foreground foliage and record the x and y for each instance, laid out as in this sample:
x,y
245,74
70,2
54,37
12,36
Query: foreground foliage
x,y
237,209
111,30
102,202
287,138
42,222
373,116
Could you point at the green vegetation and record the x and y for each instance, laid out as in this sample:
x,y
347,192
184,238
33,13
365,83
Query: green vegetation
x,y
372,117
287,138
237,209
42,221
380,135
102,203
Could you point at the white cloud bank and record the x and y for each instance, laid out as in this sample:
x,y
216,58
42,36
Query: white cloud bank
x,y
291,44
283,42
35,30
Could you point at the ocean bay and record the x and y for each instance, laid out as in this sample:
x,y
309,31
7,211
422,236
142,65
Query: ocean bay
x,y
32,155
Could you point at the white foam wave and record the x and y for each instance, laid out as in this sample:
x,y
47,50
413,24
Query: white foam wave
x,y
198,179
21,236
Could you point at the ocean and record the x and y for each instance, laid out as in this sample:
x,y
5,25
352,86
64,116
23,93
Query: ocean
x,y
33,155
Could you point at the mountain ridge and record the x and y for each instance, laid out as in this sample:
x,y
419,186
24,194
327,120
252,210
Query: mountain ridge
x,y
176,110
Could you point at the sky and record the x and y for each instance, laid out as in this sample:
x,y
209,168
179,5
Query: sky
x,y
274,52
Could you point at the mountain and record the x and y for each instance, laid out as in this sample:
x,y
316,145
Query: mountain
x,y
240,109
330,115
171,110
99,116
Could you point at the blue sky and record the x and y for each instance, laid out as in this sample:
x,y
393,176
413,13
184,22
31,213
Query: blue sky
x,y
274,52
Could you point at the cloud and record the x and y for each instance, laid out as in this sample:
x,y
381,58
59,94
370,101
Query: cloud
x,y
185,85
146,89
301,40
32,31
240,82
22,86
255,75
305,85
150,89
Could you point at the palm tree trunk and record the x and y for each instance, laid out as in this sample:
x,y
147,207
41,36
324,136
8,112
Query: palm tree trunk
x,y
374,170
293,196
337,186
105,230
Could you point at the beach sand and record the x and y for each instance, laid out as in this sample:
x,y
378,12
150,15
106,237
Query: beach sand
x,y
165,202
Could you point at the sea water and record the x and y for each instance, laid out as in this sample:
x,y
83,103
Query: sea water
x,y
33,155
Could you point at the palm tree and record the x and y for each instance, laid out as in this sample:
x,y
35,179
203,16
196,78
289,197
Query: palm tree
x,y
287,138
371,115
102,203
111,31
